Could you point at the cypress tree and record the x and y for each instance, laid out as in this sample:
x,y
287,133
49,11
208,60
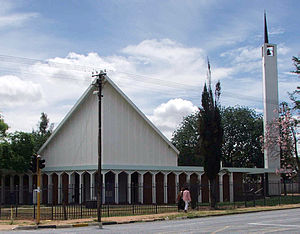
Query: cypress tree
x,y
211,137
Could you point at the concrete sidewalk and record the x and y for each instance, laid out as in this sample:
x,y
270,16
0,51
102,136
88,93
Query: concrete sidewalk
x,y
30,225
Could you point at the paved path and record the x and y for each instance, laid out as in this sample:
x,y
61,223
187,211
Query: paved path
x,y
280,221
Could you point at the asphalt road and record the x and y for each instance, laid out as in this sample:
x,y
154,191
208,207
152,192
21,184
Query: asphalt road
x,y
280,221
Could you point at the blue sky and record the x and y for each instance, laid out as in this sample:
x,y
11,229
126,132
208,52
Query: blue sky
x,y
140,43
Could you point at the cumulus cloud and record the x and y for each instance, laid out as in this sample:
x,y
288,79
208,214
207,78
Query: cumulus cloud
x,y
160,69
164,70
167,116
15,92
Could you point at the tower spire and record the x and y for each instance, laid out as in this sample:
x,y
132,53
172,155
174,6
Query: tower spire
x,y
266,29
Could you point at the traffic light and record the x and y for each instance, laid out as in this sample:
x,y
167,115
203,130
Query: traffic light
x,y
41,163
32,165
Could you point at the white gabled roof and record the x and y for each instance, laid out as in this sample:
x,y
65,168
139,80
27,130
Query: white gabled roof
x,y
85,95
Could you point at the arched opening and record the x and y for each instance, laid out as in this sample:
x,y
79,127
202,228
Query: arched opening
x,y
122,187
194,189
226,194
26,193
34,181
171,188
217,188
16,180
54,189
86,192
147,191
182,180
205,188
16,190
238,186
159,183
97,186
45,189
134,188
7,189
76,187
65,188
109,188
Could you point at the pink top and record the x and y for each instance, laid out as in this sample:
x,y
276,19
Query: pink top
x,y
186,196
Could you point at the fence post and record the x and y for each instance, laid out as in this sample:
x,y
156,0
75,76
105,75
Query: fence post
x,y
16,209
279,189
264,181
81,200
254,203
17,198
34,211
132,208
108,210
155,208
292,191
246,198
233,203
52,210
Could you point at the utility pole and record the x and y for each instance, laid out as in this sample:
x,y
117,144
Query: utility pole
x,y
38,174
99,81
40,164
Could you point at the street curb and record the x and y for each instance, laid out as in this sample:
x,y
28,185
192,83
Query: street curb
x,y
45,226
64,226
34,227
109,223
80,225
25,227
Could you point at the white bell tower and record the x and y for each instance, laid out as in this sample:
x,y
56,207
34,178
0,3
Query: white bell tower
x,y
270,92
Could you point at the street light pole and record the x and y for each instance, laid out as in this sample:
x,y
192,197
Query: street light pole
x,y
99,82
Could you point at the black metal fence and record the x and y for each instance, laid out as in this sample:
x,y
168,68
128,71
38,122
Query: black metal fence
x,y
73,203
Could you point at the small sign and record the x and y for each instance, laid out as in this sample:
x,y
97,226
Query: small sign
x,y
34,196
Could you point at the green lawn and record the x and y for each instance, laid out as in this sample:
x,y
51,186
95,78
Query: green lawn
x,y
80,211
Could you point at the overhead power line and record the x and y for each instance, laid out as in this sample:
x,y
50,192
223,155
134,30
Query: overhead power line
x,y
29,61
131,77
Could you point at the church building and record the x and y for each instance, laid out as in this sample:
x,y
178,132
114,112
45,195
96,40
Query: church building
x,y
139,164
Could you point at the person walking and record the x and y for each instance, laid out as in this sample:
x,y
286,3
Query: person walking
x,y
180,201
186,196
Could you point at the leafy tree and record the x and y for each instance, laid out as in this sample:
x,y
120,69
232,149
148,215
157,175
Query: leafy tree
x,y
241,148
15,152
22,146
211,137
3,128
5,155
294,96
281,136
5,150
185,139
43,132
17,148
242,130
297,64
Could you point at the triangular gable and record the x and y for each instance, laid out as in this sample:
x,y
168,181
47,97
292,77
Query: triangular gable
x,y
85,95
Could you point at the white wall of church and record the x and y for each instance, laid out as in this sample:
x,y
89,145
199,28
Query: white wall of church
x,y
75,144
127,138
